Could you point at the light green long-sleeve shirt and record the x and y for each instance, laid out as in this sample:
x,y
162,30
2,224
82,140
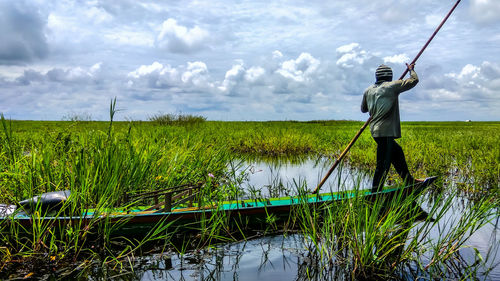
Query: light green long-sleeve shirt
x,y
381,100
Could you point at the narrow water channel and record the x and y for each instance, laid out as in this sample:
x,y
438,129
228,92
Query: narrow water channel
x,y
268,258
285,257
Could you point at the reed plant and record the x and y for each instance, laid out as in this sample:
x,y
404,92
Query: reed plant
x,y
388,239
99,167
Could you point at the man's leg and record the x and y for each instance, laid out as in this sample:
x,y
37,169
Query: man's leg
x,y
384,151
399,162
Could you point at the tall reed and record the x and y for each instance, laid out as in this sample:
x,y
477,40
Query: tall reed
x,y
386,239
99,167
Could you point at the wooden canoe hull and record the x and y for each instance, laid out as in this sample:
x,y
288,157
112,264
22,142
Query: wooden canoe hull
x,y
249,211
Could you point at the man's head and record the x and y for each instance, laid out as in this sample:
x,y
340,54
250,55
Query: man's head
x,y
383,73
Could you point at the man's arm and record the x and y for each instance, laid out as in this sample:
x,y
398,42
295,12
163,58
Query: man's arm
x,y
410,82
364,106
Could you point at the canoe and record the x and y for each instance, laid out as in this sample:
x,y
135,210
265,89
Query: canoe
x,y
249,209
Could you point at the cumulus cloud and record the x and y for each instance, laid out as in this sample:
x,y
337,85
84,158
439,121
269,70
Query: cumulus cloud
x,y
180,39
196,73
290,76
347,48
294,80
145,70
233,77
287,80
350,55
277,54
353,64
97,15
255,74
470,93
300,69
397,59
157,75
478,83
23,33
76,74
241,80
59,75
468,71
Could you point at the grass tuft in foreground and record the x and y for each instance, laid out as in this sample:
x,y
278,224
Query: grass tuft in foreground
x,y
390,239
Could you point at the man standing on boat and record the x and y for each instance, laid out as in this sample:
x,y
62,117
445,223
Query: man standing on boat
x,y
381,101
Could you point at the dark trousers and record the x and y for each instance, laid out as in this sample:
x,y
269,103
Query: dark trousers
x,y
389,152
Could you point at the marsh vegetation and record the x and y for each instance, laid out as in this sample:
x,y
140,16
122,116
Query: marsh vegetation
x,y
102,162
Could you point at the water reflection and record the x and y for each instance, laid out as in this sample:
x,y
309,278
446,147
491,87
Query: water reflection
x,y
482,246
281,177
290,258
287,257
276,257
269,258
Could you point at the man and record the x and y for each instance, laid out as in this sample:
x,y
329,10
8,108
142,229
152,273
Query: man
x,y
381,101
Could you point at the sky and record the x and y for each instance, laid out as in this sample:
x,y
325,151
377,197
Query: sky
x,y
244,60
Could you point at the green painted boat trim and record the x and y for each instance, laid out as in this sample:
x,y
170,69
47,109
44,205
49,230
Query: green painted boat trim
x,y
242,204
268,202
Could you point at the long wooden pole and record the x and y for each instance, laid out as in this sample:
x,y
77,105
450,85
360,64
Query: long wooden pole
x,y
370,118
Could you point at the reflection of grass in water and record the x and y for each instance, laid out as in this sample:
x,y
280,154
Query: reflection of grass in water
x,y
390,239
280,177
384,239
280,255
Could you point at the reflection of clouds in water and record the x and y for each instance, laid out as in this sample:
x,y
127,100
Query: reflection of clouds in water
x,y
286,257
266,258
486,239
283,257
307,173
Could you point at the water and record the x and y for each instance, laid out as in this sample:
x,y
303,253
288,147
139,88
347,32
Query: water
x,y
267,258
483,244
285,257
286,176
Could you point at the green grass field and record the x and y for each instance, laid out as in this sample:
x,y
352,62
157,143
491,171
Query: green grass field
x,y
41,156
102,161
